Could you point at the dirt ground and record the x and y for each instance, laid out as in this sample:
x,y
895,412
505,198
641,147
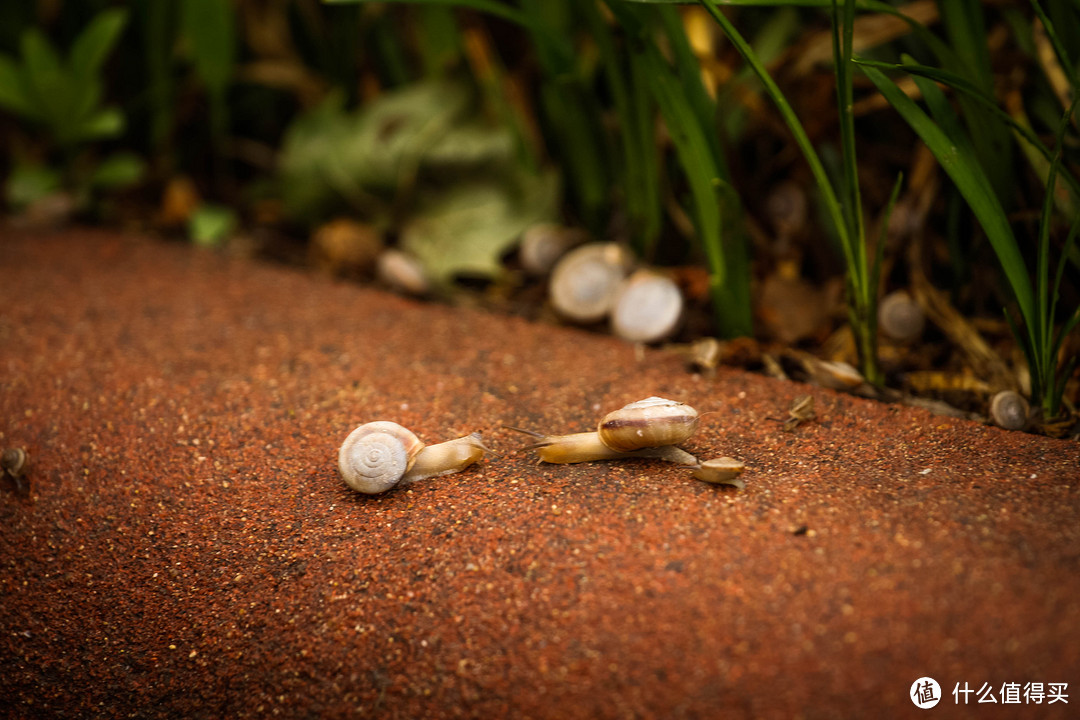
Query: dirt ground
x,y
182,545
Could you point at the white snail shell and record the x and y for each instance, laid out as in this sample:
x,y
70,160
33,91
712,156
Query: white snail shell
x,y
376,456
647,308
402,272
379,455
652,422
584,282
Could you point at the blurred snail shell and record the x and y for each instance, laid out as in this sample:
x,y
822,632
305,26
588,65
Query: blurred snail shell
x,y
649,428
585,281
647,308
1010,410
402,272
544,243
900,317
345,246
378,455
833,374
786,207
720,471
13,461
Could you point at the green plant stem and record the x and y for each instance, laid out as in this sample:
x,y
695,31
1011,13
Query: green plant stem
x,y
863,304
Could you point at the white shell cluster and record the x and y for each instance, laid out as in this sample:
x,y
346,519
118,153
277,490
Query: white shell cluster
x,y
594,282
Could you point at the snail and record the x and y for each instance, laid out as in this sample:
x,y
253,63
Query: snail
x,y
648,428
721,471
14,462
901,317
1010,410
379,455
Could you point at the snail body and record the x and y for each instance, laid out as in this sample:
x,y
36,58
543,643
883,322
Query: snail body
x,y
378,455
648,428
720,471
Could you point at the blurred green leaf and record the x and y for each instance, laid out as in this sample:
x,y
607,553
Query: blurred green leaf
x,y
331,155
465,229
29,182
48,86
209,28
210,225
118,170
13,91
96,41
104,124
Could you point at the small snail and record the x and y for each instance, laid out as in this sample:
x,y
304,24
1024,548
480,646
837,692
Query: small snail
x,y
901,317
648,428
721,471
1010,410
377,456
13,462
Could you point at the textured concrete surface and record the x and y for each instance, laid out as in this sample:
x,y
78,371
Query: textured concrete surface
x,y
183,546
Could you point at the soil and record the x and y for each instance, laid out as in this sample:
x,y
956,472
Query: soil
x,y
182,546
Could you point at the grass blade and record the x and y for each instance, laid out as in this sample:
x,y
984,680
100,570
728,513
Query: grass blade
x,y
969,179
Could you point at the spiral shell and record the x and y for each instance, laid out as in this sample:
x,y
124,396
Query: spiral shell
x,y
13,461
375,456
652,422
1010,410
900,317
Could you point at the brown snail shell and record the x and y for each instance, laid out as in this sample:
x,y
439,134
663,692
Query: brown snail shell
x,y
648,428
1010,410
13,461
652,422
345,246
900,317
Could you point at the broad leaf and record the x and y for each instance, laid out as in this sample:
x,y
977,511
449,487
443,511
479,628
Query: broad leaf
x,y
466,229
96,41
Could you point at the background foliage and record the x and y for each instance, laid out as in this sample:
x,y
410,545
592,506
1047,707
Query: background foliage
x,y
934,144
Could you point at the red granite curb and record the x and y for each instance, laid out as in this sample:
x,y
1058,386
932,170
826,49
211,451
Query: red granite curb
x,y
185,548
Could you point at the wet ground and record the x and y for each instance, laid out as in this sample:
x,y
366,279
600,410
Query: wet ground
x,y
183,547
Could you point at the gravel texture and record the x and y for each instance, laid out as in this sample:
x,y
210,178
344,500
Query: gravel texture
x,y
182,546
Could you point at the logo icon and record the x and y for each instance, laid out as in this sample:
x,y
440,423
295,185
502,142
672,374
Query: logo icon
x,y
925,692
